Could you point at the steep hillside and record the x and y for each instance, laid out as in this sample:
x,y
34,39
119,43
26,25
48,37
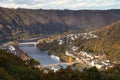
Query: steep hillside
x,y
13,68
24,23
108,41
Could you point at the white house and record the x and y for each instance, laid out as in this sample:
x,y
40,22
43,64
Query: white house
x,y
99,66
61,42
74,48
92,63
12,48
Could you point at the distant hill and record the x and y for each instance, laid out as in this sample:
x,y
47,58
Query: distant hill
x,y
24,23
108,41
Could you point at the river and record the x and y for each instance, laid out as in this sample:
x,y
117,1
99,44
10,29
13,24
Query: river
x,y
41,56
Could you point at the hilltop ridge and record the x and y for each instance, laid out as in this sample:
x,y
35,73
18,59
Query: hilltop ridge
x,y
26,23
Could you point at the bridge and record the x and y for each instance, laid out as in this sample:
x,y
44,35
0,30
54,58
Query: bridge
x,y
27,43
58,64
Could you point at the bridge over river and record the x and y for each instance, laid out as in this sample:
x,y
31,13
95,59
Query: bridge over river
x,y
32,41
29,43
58,64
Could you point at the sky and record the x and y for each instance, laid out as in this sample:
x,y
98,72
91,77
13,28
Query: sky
x,y
62,4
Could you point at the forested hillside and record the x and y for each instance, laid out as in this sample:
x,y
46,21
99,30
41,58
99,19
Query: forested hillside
x,y
25,23
108,41
13,68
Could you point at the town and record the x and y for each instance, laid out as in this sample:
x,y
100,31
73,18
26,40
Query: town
x,y
85,59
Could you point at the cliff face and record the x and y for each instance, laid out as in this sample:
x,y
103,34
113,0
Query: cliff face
x,y
20,23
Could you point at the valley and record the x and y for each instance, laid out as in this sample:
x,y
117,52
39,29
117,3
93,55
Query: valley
x,y
38,44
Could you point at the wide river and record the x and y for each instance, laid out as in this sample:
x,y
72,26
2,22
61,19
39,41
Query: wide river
x,y
41,56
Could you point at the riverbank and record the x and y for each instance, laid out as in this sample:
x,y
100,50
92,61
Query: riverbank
x,y
24,56
17,50
63,57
